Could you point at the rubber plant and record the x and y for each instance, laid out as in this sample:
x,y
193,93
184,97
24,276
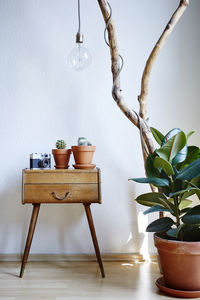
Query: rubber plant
x,y
174,168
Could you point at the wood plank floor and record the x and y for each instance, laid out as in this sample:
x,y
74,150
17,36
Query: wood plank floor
x,y
79,280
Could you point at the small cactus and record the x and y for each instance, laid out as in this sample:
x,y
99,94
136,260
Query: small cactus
x,y
82,141
61,144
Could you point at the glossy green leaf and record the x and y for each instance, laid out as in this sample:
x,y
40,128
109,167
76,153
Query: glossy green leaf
x,y
151,171
170,149
155,181
192,155
171,200
189,134
155,208
184,210
172,206
195,182
192,217
184,203
163,164
151,199
170,134
169,204
192,189
158,136
181,155
160,225
191,171
188,194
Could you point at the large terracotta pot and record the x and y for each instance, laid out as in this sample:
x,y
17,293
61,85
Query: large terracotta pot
x,y
61,157
83,154
180,263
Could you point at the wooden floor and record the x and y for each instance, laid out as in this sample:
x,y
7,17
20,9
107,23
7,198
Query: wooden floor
x,y
79,280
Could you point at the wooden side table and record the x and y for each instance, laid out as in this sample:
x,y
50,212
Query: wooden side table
x,y
60,186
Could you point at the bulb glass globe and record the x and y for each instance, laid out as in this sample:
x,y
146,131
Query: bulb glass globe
x,y
80,57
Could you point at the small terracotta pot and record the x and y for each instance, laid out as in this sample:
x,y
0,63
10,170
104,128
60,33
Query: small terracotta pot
x,y
180,263
61,157
83,154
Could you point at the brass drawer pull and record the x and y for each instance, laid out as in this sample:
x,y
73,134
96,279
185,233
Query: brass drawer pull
x,y
60,198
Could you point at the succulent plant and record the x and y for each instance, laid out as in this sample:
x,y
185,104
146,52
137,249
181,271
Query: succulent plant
x,y
82,141
61,144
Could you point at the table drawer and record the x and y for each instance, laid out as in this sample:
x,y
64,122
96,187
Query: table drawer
x,y
60,176
61,193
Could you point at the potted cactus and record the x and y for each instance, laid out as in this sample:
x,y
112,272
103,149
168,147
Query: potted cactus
x,y
83,154
61,155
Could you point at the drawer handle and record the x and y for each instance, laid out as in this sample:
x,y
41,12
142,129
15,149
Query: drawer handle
x,y
60,198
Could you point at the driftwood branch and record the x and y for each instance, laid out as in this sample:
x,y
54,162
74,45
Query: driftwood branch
x,y
115,68
156,50
139,120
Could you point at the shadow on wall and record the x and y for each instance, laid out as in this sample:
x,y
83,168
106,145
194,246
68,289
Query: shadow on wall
x,y
10,211
126,232
137,236
59,224
55,222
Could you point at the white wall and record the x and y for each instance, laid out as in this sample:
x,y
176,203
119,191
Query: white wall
x,y
42,99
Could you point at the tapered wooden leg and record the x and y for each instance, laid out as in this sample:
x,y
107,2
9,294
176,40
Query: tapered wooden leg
x,y
35,212
94,238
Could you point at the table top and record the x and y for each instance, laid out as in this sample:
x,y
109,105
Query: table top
x,y
95,170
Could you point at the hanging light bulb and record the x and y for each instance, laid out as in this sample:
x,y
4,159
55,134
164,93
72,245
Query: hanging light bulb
x,y
80,57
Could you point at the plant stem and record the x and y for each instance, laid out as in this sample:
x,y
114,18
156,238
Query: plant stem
x,y
181,235
178,222
176,203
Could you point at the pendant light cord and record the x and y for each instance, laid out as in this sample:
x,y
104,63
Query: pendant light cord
x,y
79,18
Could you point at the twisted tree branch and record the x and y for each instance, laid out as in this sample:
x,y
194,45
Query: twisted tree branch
x,y
115,68
142,98
138,120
